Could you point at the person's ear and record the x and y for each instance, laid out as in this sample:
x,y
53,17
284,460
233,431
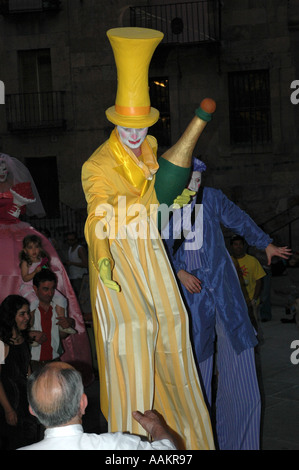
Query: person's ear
x,y
31,411
83,404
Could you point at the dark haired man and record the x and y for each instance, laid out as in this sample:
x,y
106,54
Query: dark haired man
x,y
45,322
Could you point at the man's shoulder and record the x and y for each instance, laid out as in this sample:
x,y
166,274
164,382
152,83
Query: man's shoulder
x,y
86,441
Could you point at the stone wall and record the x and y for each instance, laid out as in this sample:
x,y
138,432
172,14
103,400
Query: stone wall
x,y
255,35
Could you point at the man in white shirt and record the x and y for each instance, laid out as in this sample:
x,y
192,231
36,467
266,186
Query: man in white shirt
x,y
56,397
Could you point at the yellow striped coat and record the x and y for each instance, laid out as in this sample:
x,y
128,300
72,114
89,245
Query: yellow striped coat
x,y
142,332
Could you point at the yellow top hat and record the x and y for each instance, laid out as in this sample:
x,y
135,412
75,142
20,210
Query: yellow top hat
x,y
133,49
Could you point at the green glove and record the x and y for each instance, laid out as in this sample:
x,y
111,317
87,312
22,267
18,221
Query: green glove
x,y
105,274
183,199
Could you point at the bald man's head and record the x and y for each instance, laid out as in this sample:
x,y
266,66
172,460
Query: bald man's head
x,y
55,394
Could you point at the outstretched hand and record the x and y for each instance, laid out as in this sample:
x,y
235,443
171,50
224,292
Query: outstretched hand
x,y
106,276
280,251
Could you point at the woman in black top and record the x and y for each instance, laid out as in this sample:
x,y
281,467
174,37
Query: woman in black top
x,y
17,426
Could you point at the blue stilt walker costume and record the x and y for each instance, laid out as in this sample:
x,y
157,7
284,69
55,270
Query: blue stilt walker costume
x,y
220,310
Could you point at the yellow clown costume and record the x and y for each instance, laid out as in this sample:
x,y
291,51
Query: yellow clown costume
x,y
142,332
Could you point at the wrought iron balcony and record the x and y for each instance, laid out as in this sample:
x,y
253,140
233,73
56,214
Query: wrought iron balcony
x,y
28,6
27,111
181,23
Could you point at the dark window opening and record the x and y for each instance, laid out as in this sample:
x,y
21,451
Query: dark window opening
x,y
159,96
45,176
249,107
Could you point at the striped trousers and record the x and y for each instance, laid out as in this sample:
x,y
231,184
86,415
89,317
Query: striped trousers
x,y
238,402
144,350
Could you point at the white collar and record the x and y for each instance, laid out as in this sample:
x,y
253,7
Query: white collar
x,y
60,431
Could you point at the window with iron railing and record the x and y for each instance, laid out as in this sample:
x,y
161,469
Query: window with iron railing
x,y
249,107
25,111
38,106
181,23
159,96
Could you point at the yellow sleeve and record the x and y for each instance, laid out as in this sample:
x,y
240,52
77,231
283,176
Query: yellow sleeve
x,y
99,196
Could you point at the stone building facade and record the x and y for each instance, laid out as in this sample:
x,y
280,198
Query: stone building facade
x,y
59,75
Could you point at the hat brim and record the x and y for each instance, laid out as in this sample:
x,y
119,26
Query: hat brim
x,y
134,122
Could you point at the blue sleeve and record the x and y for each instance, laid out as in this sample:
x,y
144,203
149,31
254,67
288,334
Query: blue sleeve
x,y
234,218
176,261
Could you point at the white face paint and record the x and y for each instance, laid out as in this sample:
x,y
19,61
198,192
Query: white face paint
x,y
132,138
3,171
195,181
